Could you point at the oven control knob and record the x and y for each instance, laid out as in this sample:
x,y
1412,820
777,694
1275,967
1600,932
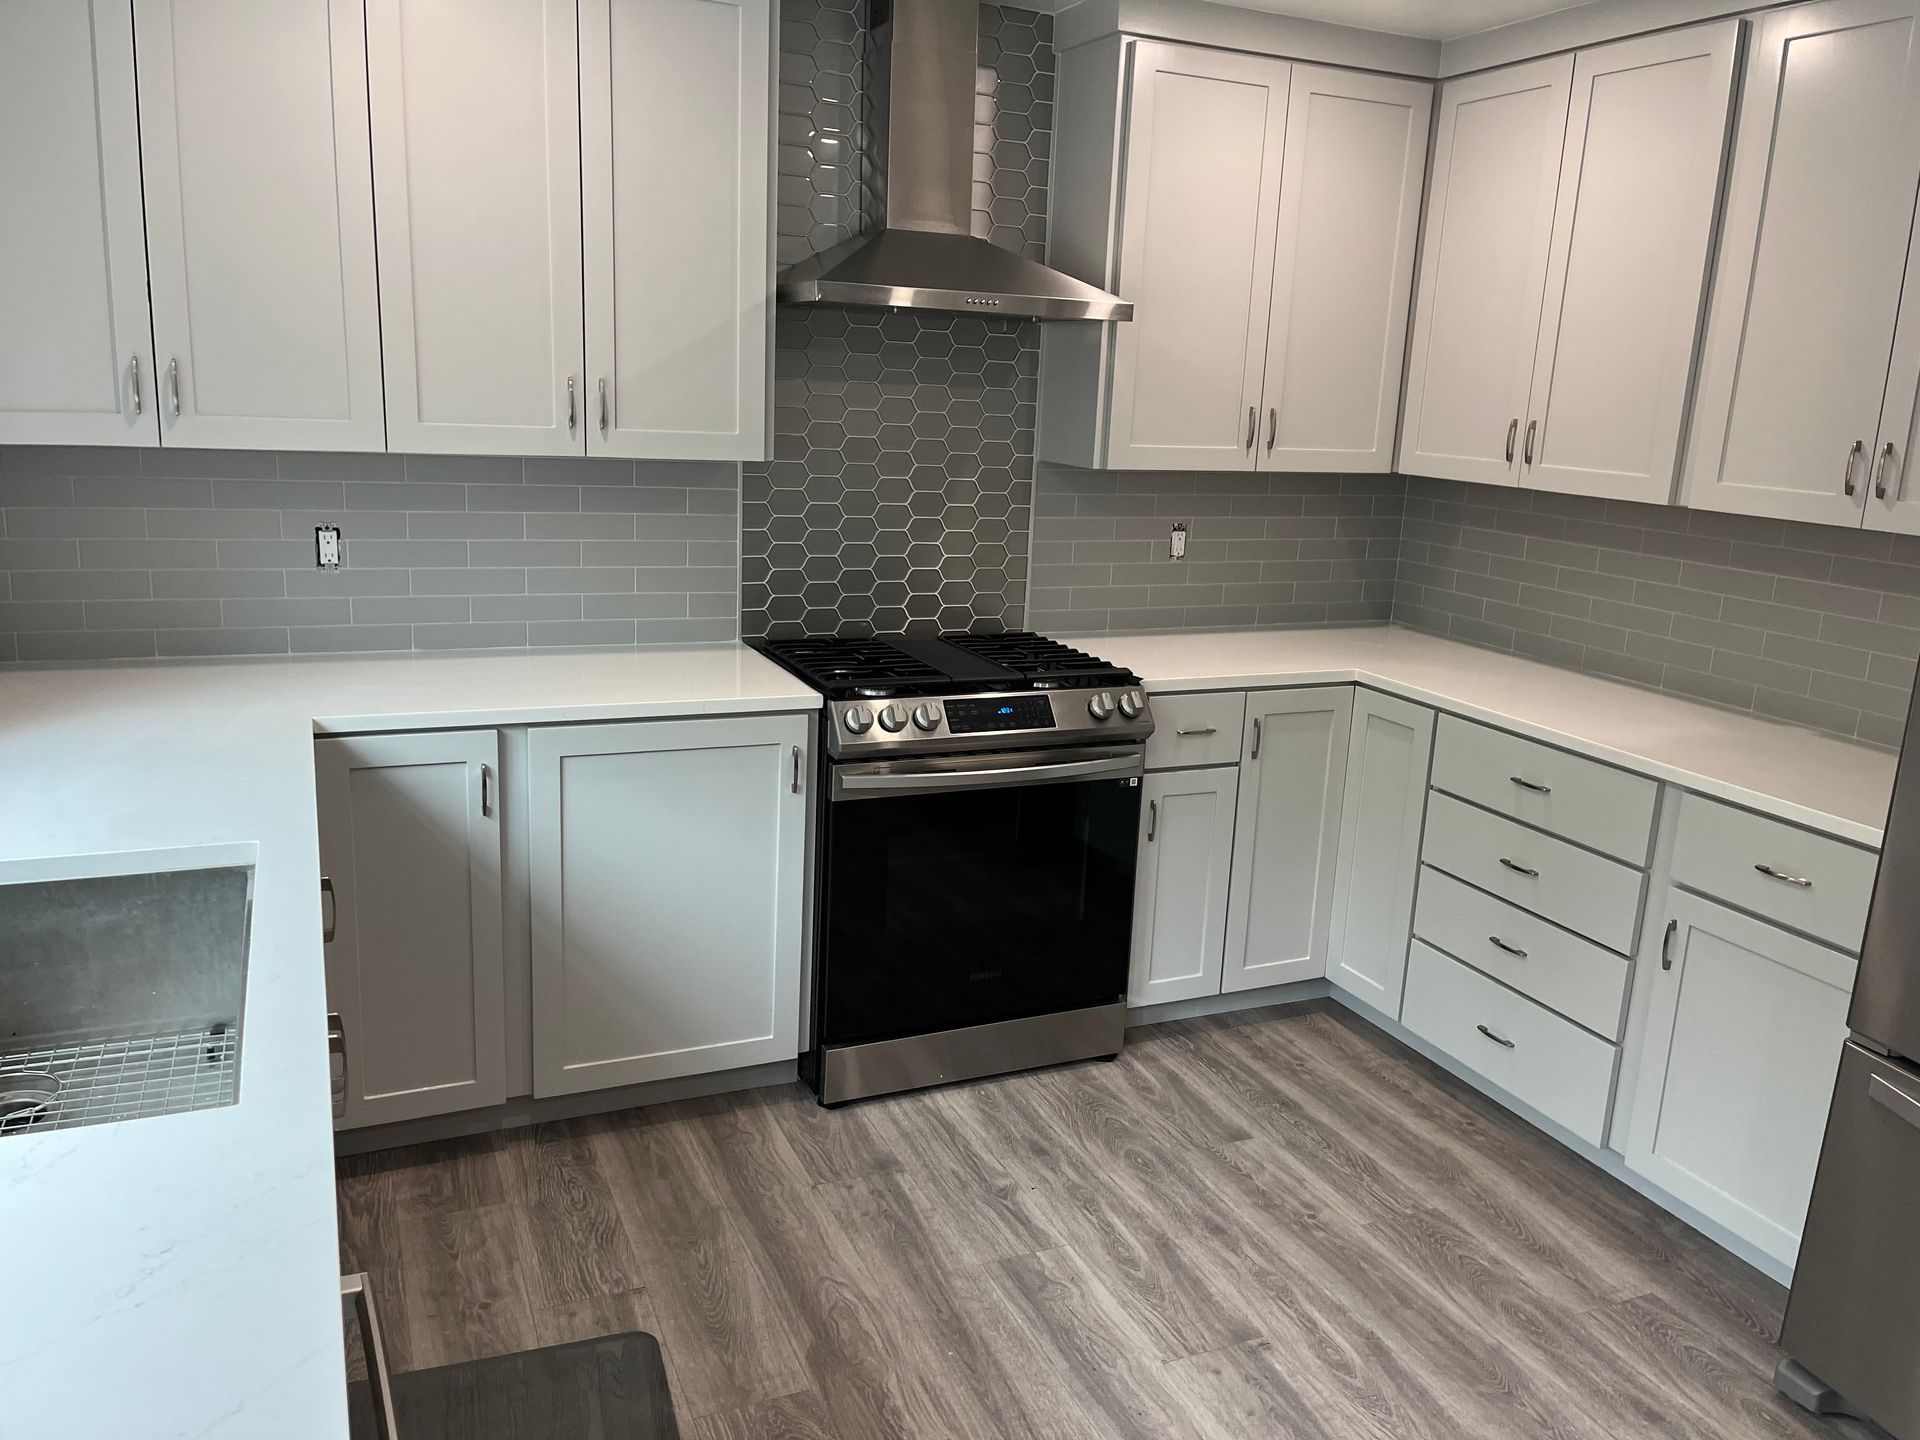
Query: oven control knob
x,y
893,719
927,717
858,719
1132,702
1100,706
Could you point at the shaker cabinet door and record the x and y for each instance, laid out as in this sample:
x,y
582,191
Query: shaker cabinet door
x,y
1180,892
1483,271
259,210
76,357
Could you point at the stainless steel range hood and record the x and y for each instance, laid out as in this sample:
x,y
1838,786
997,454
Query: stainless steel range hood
x,y
924,257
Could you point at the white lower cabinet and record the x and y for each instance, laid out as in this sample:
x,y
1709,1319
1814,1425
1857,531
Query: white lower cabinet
x,y
1293,767
1743,1040
1180,892
668,876
410,845
1379,857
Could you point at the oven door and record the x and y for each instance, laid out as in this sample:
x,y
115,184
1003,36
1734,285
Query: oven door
x,y
965,890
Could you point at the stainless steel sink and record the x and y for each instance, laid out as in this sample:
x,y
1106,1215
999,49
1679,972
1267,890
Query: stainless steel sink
x,y
120,993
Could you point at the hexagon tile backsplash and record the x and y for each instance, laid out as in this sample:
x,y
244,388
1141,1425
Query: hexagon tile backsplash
x,y
900,490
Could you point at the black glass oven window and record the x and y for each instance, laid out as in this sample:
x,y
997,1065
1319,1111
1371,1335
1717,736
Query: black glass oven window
x,y
966,907
1009,712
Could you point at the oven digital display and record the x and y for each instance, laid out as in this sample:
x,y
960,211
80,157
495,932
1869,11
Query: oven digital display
x,y
1014,712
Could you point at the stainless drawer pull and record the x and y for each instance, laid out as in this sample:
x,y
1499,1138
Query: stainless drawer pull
x,y
1880,471
1519,869
1200,730
1513,429
1666,945
1784,878
1153,819
1893,1099
796,769
1256,739
1496,1039
486,790
1253,426
1534,785
1513,950
337,1050
357,1291
1853,459
138,403
333,909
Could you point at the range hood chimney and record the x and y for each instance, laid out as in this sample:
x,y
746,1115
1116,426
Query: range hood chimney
x,y
924,256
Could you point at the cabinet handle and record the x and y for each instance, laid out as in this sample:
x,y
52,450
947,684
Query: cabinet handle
x,y
357,1292
1253,425
332,916
486,790
571,413
1784,878
1880,471
1256,739
337,1049
138,404
796,769
1153,819
1496,1039
1519,869
1513,950
1200,730
173,387
1273,425
1513,433
603,406
1534,785
1666,945
1853,458
1532,427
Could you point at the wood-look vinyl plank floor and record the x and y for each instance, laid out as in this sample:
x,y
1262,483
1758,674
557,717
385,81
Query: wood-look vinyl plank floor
x,y
1279,1223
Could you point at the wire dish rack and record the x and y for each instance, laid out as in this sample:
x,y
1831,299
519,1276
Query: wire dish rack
x,y
128,1077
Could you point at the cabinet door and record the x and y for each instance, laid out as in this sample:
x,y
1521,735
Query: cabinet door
x,y
259,204
476,163
674,104
1180,895
1483,270
1380,820
1893,502
1819,212
668,877
1743,1038
410,840
1626,281
1356,154
76,364
1204,137
1286,832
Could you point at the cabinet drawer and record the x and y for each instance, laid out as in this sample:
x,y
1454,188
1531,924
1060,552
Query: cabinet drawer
x,y
1598,897
1196,729
1828,883
1575,977
1528,1051
1600,806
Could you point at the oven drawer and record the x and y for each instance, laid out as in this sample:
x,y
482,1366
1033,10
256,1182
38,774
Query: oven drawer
x,y
1196,729
1541,1060
1810,882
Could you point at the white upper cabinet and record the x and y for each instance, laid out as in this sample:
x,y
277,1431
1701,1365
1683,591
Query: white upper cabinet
x,y
1627,273
1815,240
1203,154
76,363
1483,271
476,155
259,220
1355,158
675,100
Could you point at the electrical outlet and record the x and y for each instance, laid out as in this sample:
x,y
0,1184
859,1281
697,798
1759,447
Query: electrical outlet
x,y
1177,540
326,546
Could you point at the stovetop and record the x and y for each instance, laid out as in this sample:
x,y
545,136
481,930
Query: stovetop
x,y
895,695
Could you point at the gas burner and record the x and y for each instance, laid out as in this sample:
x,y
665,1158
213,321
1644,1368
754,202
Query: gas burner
x,y
1046,664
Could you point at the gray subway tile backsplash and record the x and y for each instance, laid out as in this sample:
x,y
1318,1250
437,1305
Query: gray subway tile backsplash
x,y
110,554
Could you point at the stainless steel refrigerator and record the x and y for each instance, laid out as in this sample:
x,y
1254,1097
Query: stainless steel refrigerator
x,y
1852,1333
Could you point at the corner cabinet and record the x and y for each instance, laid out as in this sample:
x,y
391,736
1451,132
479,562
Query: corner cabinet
x,y
76,357
1382,814
1564,268
410,853
668,865
1262,218
1180,889
1293,765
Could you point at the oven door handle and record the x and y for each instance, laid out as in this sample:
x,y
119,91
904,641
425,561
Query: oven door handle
x,y
853,784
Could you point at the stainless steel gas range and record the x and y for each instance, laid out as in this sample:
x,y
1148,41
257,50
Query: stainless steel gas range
x,y
976,856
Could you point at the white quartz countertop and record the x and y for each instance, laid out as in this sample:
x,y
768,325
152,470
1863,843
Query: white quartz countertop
x,y
1832,785
179,1276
